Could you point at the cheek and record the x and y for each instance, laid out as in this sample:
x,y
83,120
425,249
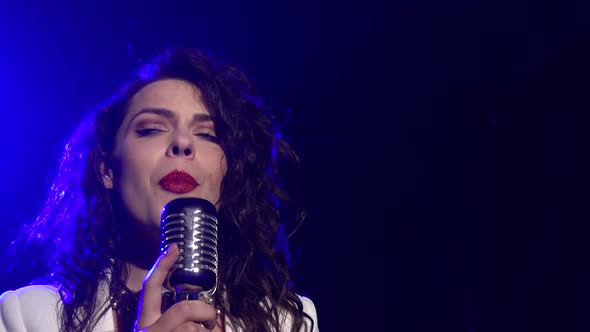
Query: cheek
x,y
216,170
127,165
133,168
133,184
221,166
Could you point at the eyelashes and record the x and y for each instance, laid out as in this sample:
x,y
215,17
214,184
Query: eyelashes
x,y
208,137
146,132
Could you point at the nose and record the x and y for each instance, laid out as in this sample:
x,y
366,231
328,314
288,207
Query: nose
x,y
181,146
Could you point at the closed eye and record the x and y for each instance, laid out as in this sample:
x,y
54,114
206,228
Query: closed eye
x,y
148,131
208,137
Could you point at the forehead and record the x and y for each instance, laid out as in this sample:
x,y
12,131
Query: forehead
x,y
172,94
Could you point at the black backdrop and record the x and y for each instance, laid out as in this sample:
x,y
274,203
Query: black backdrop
x,y
444,143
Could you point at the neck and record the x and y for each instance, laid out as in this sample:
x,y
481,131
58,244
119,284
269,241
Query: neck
x,y
140,253
139,248
135,277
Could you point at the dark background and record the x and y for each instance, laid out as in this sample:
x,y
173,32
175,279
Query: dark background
x,y
444,142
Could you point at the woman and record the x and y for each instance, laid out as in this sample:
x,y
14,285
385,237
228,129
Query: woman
x,y
184,126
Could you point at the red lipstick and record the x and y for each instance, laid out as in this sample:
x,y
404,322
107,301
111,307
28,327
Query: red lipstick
x,y
178,182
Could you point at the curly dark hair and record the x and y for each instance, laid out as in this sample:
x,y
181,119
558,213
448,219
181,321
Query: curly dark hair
x,y
82,233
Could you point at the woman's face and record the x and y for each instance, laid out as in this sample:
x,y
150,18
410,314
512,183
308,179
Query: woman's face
x,y
165,148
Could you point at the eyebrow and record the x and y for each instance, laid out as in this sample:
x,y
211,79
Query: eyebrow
x,y
164,112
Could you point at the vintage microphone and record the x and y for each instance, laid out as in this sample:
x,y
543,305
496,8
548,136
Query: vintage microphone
x,y
191,223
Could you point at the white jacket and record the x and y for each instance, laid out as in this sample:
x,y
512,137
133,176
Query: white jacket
x,y
35,309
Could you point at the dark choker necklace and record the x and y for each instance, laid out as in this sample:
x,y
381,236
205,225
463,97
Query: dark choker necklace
x,y
125,304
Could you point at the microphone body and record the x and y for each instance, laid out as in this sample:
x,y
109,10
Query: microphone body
x,y
191,223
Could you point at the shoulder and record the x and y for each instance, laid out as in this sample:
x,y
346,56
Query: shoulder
x,y
286,319
309,308
31,308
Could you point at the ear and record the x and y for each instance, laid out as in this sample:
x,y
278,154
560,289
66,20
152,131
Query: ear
x,y
106,175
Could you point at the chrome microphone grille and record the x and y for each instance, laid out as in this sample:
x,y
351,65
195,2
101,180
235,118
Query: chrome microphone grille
x,y
191,223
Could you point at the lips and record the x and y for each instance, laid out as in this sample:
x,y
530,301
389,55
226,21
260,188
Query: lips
x,y
178,182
